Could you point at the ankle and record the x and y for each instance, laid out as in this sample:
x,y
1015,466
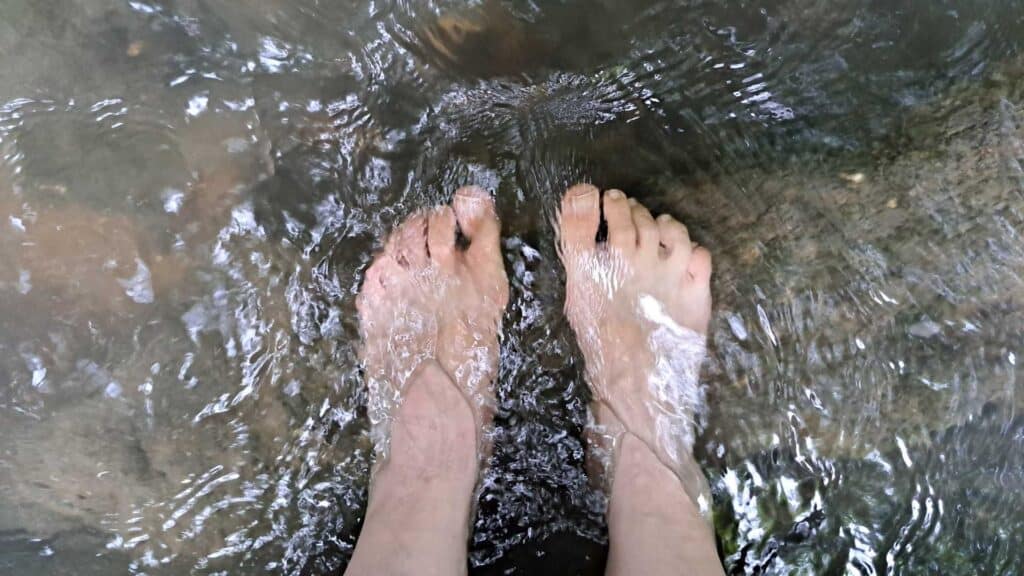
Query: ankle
x,y
434,435
654,526
430,470
648,487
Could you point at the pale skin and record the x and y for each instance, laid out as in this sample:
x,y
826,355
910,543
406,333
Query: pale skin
x,y
431,377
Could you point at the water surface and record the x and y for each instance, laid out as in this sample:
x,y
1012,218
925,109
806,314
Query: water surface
x,y
190,191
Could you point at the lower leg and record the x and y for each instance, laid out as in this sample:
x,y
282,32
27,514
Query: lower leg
x,y
639,301
654,527
430,309
417,521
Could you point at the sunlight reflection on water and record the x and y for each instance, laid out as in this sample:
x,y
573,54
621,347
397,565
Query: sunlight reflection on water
x,y
191,191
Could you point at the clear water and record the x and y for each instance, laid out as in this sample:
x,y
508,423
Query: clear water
x,y
190,190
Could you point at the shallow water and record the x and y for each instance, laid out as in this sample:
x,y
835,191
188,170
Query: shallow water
x,y
191,190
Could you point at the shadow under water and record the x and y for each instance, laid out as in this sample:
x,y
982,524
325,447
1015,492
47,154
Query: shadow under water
x,y
191,190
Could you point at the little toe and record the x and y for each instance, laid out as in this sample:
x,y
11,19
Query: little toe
x,y
382,274
580,217
695,294
674,239
700,266
408,244
621,230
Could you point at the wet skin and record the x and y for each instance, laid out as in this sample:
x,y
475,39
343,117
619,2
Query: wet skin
x,y
430,313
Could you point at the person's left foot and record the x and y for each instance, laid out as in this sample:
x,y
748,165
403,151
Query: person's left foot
x,y
639,303
429,304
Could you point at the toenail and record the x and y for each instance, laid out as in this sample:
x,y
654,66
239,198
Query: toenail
x,y
472,192
616,194
583,201
632,201
471,197
582,190
665,218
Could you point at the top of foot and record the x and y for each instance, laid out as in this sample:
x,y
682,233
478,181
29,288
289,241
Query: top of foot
x,y
639,303
426,298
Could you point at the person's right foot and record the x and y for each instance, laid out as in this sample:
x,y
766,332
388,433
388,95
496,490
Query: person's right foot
x,y
639,303
430,310
427,300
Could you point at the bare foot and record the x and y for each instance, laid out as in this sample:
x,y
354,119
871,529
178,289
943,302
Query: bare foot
x,y
640,305
426,299
429,314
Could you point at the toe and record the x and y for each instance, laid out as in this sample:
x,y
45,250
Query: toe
x,y
408,244
700,265
441,235
674,239
646,228
580,217
382,274
478,220
621,231
695,296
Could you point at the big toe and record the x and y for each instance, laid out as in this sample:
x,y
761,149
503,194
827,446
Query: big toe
x,y
580,217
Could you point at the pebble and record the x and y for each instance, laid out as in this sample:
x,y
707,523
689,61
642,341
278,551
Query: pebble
x,y
134,49
852,178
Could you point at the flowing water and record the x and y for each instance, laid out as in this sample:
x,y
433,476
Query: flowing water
x,y
191,190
